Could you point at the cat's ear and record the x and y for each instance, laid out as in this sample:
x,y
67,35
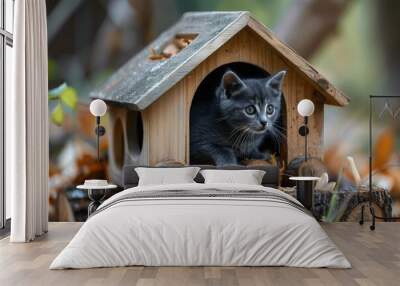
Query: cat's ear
x,y
231,83
276,81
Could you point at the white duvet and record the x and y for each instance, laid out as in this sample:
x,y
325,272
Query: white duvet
x,y
200,231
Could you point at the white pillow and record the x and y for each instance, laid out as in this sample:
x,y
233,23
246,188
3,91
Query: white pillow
x,y
248,177
165,176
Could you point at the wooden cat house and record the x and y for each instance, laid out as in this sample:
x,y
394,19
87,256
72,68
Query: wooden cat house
x,y
150,97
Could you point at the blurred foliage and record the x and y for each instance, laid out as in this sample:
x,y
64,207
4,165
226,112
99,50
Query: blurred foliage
x,y
52,69
66,97
351,58
267,12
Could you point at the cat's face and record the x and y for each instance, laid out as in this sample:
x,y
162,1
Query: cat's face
x,y
253,105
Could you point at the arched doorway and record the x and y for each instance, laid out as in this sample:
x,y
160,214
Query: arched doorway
x,y
275,143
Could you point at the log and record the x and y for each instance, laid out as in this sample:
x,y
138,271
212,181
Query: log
x,y
349,203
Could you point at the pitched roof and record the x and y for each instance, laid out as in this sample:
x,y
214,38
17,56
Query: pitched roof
x,y
141,81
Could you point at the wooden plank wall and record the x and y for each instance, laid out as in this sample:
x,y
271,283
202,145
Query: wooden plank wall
x,y
166,121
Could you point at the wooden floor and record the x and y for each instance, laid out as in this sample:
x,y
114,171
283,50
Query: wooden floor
x,y
375,257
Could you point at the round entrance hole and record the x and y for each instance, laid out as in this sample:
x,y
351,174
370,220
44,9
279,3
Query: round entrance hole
x,y
273,143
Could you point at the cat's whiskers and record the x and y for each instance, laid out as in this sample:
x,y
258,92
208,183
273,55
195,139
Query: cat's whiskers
x,y
236,142
235,131
282,131
243,143
279,129
278,137
236,136
249,141
281,135
239,139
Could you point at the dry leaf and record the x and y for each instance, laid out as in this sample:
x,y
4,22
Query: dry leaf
x,y
383,149
334,160
393,175
178,43
171,49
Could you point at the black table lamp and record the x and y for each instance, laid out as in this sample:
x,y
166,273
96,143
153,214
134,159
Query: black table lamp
x,y
305,108
305,184
98,108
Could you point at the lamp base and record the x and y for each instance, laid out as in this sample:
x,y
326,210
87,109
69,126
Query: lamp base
x,y
305,193
100,130
303,130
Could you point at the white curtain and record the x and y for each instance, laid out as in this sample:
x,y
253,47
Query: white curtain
x,y
27,124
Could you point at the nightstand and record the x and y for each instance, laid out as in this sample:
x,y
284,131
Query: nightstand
x,y
96,194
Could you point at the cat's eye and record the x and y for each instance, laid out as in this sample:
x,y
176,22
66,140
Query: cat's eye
x,y
270,109
250,110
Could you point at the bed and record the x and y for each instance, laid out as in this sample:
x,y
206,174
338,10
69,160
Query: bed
x,y
197,224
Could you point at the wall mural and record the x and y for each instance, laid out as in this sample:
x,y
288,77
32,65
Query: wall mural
x,y
173,103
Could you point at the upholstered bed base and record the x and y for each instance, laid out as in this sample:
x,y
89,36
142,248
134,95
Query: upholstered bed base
x,y
271,177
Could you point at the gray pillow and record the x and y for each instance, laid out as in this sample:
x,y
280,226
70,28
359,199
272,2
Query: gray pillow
x,y
164,176
246,177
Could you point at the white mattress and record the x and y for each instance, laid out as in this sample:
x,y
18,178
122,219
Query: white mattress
x,y
200,231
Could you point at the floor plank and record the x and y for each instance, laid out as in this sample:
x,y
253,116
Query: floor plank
x,y
375,257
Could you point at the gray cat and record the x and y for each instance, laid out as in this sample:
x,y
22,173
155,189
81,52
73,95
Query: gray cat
x,y
234,124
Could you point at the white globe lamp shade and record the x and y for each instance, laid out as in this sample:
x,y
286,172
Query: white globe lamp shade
x,y
98,107
305,107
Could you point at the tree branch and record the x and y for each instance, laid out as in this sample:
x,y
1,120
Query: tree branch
x,y
309,23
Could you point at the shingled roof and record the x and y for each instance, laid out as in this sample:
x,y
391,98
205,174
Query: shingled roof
x,y
141,81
